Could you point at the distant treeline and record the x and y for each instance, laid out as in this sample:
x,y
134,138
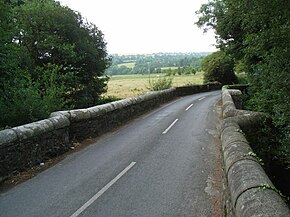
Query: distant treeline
x,y
155,63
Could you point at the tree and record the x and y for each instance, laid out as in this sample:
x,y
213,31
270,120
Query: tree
x,y
50,59
256,34
53,34
9,51
22,100
218,67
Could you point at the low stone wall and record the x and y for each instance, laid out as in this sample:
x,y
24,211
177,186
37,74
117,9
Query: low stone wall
x,y
188,90
94,121
252,192
25,146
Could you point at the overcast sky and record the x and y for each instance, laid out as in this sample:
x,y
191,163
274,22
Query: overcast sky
x,y
146,26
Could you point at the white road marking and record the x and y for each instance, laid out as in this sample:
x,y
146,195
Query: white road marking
x,y
102,191
171,125
201,98
188,107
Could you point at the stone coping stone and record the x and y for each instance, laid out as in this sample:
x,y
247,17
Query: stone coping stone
x,y
122,103
229,136
234,92
228,131
60,113
7,136
33,129
244,175
60,121
235,152
97,111
229,122
79,115
258,202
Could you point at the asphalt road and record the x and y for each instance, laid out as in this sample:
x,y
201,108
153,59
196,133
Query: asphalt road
x,y
164,163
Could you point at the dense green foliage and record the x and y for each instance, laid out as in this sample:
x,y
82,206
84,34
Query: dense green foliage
x,y
257,35
154,63
218,67
51,58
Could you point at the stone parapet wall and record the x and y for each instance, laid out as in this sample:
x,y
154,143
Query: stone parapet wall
x,y
188,90
252,193
94,121
26,146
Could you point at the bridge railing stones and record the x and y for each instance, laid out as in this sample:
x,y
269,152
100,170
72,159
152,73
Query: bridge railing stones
x,y
26,146
251,191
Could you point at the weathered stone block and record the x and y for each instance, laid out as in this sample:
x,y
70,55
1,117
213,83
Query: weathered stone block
x,y
229,123
237,98
60,121
121,103
33,129
60,113
228,131
244,175
7,136
232,136
79,115
235,152
260,202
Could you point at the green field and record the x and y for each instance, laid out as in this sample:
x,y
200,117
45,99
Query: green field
x,y
124,86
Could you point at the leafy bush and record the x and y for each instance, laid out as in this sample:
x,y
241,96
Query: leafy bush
x,y
218,67
270,93
24,101
242,78
162,83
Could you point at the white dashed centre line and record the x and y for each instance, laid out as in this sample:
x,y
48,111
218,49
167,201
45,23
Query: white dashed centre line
x,y
102,191
188,107
168,128
201,98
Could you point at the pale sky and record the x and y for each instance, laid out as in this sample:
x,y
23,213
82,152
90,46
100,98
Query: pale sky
x,y
146,26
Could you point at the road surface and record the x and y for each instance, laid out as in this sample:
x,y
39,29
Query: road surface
x,y
164,163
